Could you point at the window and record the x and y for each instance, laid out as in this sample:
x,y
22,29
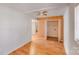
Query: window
x,y
34,26
77,23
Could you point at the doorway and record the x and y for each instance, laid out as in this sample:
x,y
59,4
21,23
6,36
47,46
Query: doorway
x,y
52,30
55,29
49,36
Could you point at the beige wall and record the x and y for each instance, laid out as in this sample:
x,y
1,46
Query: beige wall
x,y
41,28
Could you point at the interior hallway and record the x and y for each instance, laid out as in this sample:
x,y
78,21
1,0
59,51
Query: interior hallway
x,y
40,46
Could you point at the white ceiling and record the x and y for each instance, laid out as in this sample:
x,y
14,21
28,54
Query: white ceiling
x,y
53,8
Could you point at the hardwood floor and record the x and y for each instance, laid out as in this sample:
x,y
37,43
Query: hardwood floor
x,y
24,50
41,47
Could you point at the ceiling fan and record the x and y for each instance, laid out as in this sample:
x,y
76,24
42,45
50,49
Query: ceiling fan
x,y
42,13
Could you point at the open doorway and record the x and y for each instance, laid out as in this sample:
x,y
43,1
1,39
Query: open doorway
x,y
49,36
55,34
55,29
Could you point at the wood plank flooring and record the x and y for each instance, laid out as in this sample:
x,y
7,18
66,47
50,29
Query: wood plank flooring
x,y
24,50
41,47
47,47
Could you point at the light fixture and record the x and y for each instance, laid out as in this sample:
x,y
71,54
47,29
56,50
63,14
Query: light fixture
x,y
42,13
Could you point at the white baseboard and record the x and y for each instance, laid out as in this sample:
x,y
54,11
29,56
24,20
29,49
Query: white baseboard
x,y
19,46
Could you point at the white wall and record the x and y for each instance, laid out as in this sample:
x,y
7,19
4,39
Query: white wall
x,y
69,27
15,29
66,30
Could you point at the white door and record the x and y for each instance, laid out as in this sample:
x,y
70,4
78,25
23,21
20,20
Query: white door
x,y
52,28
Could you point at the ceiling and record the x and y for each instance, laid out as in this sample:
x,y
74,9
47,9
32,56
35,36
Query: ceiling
x,y
53,8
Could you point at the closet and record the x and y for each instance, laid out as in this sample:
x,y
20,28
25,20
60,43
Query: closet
x,y
55,27
51,26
